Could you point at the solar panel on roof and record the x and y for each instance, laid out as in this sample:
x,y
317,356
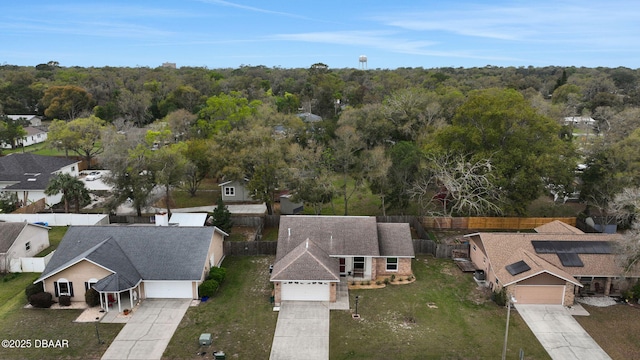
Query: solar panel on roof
x,y
577,247
569,259
517,267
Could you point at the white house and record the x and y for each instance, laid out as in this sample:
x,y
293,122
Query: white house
x,y
21,239
28,175
34,120
34,136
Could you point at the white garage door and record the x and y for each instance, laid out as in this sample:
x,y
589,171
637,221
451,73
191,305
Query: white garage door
x,y
305,291
540,294
168,289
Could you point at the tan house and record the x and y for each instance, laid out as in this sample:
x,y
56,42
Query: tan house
x,y
550,266
21,240
127,263
315,252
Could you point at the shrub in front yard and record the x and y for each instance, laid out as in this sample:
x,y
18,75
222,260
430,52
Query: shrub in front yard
x,y
218,274
500,297
92,297
41,300
64,300
34,289
208,288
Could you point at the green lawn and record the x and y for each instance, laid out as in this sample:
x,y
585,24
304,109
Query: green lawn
x,y
240,316
396,322
55,236
18,323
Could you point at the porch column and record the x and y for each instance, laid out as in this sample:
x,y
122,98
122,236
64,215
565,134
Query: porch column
x,y
101,304
607,286
131,299
119,305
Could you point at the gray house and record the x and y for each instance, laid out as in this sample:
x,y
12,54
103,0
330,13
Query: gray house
x,y
235,191
127,263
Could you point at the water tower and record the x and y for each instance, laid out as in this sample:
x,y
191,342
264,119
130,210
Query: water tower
x,y
363,61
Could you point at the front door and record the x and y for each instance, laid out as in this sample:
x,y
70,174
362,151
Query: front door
x,y
343,266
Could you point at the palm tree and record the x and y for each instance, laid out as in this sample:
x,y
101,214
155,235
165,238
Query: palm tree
x,y
71,188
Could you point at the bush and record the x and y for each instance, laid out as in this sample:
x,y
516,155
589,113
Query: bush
x,y
387,281
208,288
34,289
64,300
218,274
92,298
500,297
41,300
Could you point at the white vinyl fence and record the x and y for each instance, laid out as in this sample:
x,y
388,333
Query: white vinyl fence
x,y
30,264
58,219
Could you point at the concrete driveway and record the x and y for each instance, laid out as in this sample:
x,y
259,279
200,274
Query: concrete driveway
x,y
559,333
302,331
149,330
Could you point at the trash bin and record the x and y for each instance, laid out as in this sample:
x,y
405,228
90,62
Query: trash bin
x,y
205,339
219,355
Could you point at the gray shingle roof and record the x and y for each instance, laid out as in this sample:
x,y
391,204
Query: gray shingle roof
x,y
135,252
307,261
395,240
22,167
9,232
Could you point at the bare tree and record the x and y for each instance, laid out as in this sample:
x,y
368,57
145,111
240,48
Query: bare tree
x,y
455,185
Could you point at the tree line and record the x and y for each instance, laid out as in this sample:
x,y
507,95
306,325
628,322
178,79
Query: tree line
x,y
453,141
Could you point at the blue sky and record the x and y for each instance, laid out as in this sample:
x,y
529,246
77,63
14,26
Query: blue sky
x,y
296,34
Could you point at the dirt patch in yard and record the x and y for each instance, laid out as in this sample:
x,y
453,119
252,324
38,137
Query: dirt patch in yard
x,y
242,233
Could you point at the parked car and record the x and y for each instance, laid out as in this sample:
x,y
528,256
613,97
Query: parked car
x,y
94,175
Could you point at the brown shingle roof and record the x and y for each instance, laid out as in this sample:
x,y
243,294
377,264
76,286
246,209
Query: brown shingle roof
x,y
557,227
503,249
307,261
335,235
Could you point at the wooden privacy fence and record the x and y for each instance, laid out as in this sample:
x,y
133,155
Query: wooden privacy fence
x,y
441,251
250,248
493,223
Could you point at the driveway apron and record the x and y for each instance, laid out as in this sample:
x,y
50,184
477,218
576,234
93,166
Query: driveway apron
x,y
559,333
302,331
149,330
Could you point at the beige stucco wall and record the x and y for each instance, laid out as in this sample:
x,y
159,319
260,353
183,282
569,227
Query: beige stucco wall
x,y
542,279
77,274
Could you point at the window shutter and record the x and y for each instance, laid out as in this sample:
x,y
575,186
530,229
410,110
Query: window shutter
x,y
71,289
55,288
86,285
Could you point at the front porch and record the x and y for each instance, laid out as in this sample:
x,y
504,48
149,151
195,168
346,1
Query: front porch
x,y
120,301
601,287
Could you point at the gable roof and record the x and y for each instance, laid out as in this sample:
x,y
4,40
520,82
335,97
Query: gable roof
x,y
135,253
9,232
503,249
29,171
335,235
307,261
557,227
395,240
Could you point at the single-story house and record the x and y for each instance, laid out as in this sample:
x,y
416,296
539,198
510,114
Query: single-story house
x,y
20,240
315,252
133,262
28,175
552,265
34,120
33,136
235,191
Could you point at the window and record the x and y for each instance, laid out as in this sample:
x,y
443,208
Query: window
x,y
63,287
358,263
27,246
229,191
392,264
88,284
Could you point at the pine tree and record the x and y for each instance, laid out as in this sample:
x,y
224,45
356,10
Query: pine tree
x,y
221,217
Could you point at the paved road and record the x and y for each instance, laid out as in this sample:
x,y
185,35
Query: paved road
x,y
148,332
302,331
560,334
